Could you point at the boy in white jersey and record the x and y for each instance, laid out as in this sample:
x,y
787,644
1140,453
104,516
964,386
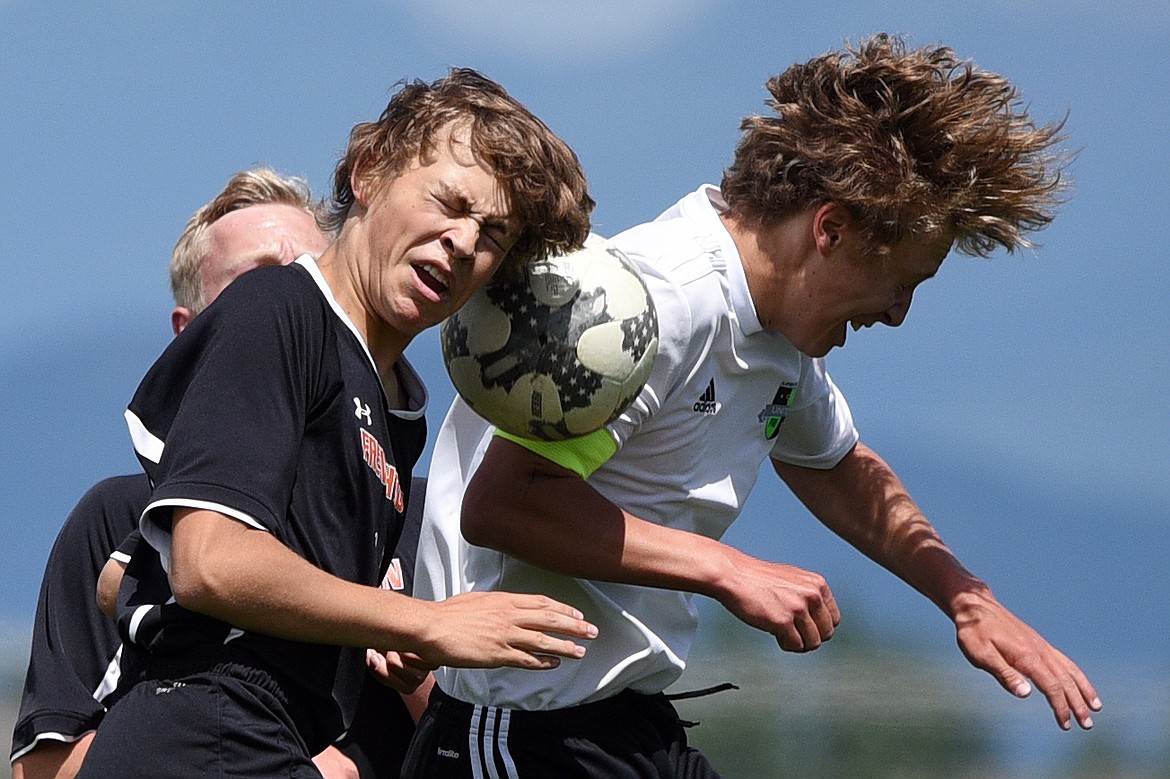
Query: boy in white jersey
x,y
877,161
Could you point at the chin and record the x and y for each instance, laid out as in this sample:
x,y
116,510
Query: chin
x,y
819,349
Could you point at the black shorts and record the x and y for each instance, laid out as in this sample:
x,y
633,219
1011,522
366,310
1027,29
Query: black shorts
x,y
630,735
231,721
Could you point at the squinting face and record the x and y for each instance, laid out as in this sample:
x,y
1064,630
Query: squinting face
x,y
435,234
857,289
269,234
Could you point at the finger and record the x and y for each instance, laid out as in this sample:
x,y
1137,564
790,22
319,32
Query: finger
x,y
1081,698
1088,692
789,638
539,643
544,603
831,606
810,632
1013,681
411,660
537,663
826,617
553,621
1058,700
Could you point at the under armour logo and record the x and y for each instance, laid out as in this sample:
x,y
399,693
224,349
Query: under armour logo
x,y
361,410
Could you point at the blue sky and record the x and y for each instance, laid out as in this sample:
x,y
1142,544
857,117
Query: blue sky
x,y
1023,401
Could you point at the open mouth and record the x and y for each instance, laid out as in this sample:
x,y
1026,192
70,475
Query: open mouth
x,y
431,278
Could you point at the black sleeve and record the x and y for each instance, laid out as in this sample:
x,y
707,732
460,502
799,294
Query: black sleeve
x,y
228,401
73,643
125,550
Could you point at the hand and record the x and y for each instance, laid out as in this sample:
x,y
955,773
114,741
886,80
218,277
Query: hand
x,y
794,605
994,639
333,764
402,671
492,629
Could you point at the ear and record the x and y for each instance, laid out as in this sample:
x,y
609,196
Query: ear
x,y
829,224
180,318
361,186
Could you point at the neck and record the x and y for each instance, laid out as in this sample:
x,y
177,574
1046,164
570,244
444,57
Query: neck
x,y
386,345
773,264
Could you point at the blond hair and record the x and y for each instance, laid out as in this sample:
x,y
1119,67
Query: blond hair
x,y
910,142
545,185
257,186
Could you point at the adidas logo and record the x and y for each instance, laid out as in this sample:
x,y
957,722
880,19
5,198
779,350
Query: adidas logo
x,y
706,404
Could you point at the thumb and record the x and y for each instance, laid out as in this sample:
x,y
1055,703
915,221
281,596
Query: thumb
x,y
1014,682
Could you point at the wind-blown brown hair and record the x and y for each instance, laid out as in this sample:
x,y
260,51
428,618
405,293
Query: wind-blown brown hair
x,y
909,142
254,187
541,175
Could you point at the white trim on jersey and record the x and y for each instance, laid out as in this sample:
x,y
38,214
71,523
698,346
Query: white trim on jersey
x,y
136,620
160,539
111,677
406,371
47,736
307,262
145,442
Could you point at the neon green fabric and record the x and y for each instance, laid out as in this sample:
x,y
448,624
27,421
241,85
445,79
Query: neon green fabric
x,y
582,455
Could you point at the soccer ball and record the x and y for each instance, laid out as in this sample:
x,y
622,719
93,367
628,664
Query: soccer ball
x,y
560,351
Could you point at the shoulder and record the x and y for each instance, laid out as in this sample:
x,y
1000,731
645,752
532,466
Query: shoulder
x,y
112,505
273,308
259,292
684,269
118,491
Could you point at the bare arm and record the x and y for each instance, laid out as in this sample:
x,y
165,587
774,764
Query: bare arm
x,y
247,578
864,502
108,583
334,764
533,509
53,760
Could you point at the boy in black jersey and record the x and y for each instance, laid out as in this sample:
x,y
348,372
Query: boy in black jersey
x,y
260,217
279,432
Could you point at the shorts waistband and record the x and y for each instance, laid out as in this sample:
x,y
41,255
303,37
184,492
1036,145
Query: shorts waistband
x,y
242,666
625,703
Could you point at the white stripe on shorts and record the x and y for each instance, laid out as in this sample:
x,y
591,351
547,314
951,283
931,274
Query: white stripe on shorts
x,y
483,743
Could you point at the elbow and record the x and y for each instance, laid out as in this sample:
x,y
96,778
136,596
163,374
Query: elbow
x,y
108,584
195,587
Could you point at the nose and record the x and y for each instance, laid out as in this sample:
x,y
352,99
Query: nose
x,y
460,238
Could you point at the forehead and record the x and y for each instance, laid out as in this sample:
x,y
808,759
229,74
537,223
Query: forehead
x,y
268,223
451,166
918,256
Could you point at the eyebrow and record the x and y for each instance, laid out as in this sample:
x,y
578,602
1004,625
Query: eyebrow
x,y
492,220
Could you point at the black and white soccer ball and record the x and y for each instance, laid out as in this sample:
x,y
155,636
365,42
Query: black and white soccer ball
x,y
560,351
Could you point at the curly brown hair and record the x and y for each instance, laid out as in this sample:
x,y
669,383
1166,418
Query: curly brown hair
x,y
542,176
910,142
253,187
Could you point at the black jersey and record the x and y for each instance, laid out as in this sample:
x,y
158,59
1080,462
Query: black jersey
x,y
269,409
71,664
380,734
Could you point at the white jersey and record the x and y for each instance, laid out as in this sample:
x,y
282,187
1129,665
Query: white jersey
x,y
723,396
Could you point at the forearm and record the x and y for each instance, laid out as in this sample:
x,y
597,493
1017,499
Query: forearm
x,y
525,506
250,580
864,502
